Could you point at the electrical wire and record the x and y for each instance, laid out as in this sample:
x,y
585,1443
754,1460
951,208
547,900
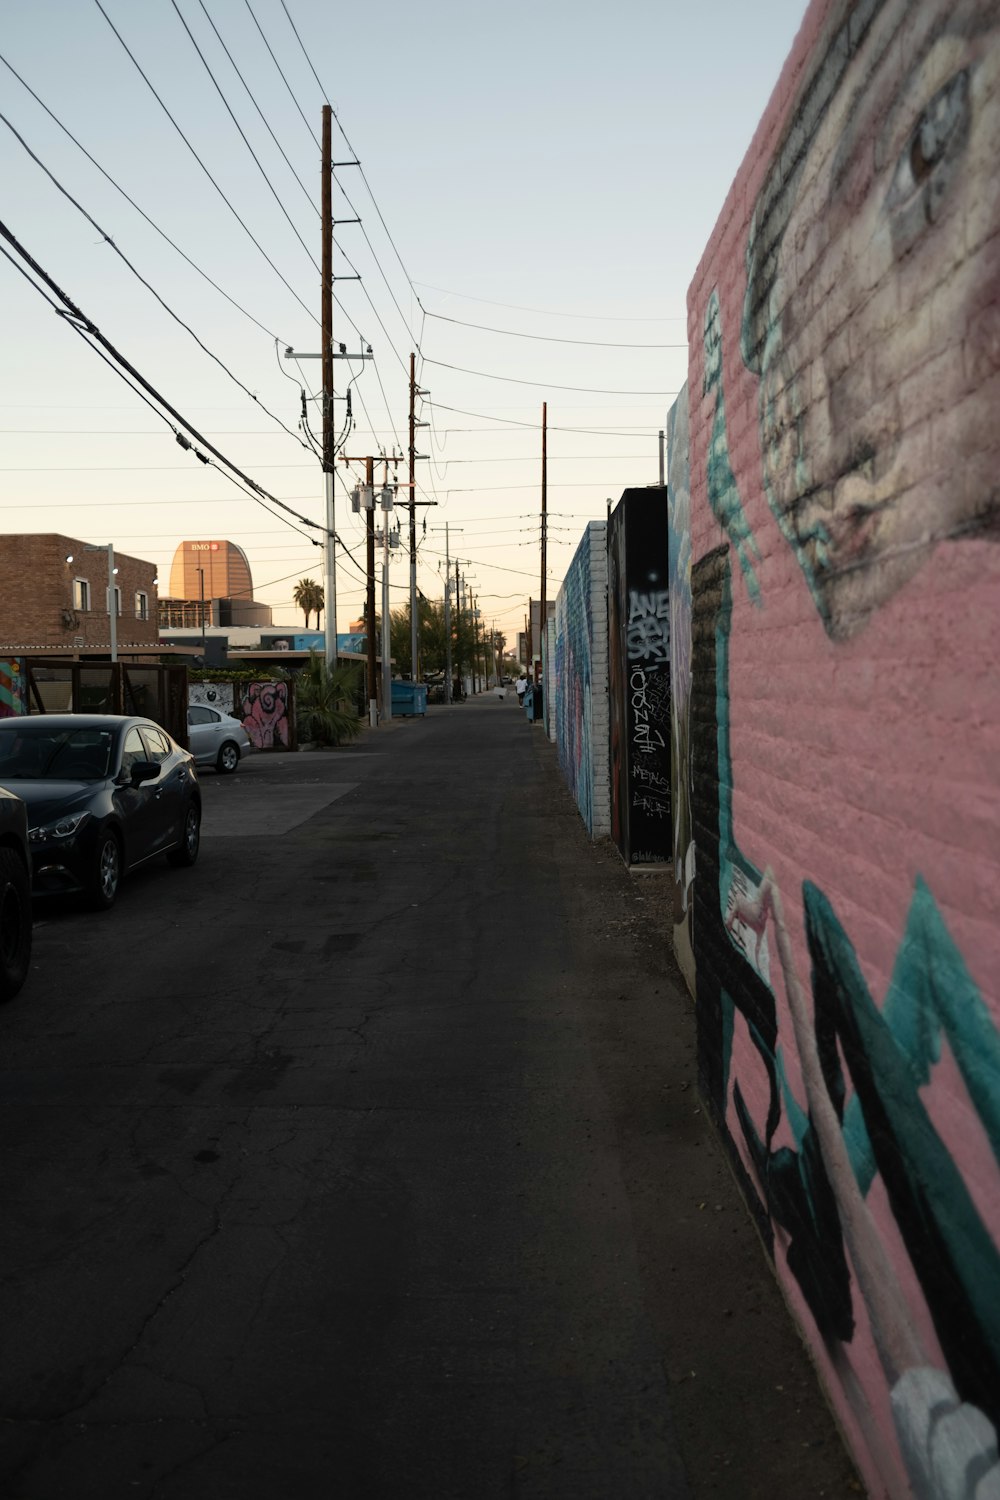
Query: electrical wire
x,y
547,312
91,334
131,201
201,164
243,136
542,384
284,80
149,287
549,338
310,199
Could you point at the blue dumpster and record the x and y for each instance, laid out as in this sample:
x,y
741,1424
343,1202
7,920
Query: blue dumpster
x,y
409,698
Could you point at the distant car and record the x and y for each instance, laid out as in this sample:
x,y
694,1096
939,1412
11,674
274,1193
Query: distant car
x,y
104,793
216,739
15,895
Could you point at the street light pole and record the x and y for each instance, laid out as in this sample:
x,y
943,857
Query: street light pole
x,y
112,610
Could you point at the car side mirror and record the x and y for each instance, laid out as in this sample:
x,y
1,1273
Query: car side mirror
x,y
143,770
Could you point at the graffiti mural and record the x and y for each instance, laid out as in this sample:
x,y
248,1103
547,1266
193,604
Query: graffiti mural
x,y
264,711
679,586
838,721
581,680
220,695
639,676
13,687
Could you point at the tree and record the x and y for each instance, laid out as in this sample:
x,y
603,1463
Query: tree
x,y
325,702
430,618
304,595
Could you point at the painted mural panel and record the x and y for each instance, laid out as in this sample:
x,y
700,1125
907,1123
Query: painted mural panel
x,y
13,687
264,711
639,676
581,680
220,695
679,586
844,722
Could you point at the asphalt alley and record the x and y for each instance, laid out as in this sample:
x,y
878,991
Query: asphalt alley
x,y
365,1160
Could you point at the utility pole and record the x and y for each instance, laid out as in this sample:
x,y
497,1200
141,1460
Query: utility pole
x,y
326,356
370,594
458,630
545,481
414,632
386,500
530,664
447,619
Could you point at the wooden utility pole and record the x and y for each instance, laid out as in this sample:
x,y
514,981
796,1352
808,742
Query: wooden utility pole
x,y
545,482
414,638
326,356
370,597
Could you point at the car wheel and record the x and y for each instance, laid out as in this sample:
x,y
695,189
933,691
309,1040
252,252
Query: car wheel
x,y
186,851
15,924
228,758
107,873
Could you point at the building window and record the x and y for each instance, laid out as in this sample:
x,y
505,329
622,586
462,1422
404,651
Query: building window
x,y
141,605
81,594
118,600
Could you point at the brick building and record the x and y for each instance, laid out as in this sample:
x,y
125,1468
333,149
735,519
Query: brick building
x,y
47,600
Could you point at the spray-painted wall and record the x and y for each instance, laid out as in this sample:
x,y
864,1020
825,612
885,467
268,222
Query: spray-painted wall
x,y
580,692
13,689
843,739
266,709
639,676
679,587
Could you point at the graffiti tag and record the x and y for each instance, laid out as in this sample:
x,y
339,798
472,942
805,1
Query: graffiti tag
x,y
648,633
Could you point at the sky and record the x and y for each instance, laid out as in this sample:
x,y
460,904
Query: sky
x,y
537,182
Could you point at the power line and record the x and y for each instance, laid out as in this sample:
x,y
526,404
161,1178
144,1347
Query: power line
x,y
149,287
201,164
131,201
243,136
547,312
545,385
91,334
284,80
549,338
298,179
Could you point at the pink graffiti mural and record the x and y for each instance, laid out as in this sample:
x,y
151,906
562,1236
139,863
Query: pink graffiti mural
x,y
843,383
265,715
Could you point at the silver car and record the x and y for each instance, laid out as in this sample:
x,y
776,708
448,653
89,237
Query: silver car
x,y
216,739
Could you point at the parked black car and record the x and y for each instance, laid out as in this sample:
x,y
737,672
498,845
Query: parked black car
x,y
15,895
105,793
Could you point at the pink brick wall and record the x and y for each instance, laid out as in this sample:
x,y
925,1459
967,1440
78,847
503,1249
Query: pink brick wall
x,y
844,389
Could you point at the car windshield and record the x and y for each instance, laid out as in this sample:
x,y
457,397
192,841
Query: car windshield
x,y
36,753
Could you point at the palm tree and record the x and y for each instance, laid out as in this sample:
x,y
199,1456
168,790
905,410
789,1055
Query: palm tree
x,y
319,602
304,595
325,702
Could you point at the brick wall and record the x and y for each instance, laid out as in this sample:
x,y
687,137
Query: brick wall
x,y
843,741
37,596
580,692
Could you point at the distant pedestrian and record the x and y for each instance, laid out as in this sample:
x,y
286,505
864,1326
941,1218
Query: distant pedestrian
x,y
521,687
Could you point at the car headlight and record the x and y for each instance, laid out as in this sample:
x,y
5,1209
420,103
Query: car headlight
x,y
61,828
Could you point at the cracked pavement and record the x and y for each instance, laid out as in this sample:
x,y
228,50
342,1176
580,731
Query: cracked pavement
x,y
361,1161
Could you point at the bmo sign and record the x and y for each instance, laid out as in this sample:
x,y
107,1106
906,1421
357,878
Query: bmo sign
x,y
204,546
